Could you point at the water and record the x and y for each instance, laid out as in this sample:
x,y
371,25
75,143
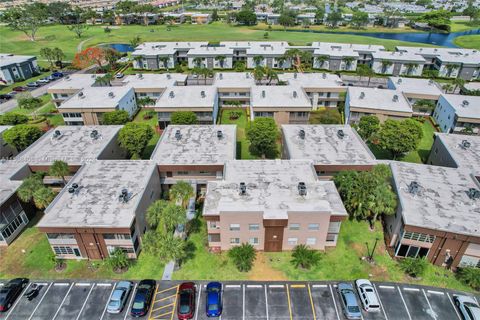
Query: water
x,y
120,47
438,39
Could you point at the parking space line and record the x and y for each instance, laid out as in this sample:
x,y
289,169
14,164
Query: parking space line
x,y
232,286
82,284
475,299
454,307
311,302
289,302
254,286
39,302
131,301
266,303
335,303
198,304
406,308
319,286
386,287
161,315
63,301
173,295
435,292
106,305
276,286
57,284
18,300
175,303
163,307
104,284
434,315
380,300
243,303
297,286
165,290
85,302
154,295
411,289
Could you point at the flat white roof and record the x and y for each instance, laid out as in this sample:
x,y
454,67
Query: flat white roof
x,y
378,99
76,81
279,96
346,46
97,203
154,80
467,57
8,186
75,145
465,106
337,52
398,56
97,97
468,158
312,80
416,86
196,145
323,145
267,48
165,48
188,97
442,202
234,80
272,188
472,86
8,59
210,50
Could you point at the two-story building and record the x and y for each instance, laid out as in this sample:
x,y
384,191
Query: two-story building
x,y
70,85
15,68
397,63
457,113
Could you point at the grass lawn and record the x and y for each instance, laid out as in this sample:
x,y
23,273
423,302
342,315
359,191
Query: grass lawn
x,y
417,156
156,136
345,261
7,89
59,36
472,42
458,26
47,110
30,256
241,122
265,27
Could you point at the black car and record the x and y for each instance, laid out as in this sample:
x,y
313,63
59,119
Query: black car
x,y
10,292
143,298
5,97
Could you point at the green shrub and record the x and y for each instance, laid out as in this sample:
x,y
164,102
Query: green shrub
x,y
12,118
243,256
184,117
116,117
118,260
304,257
470,276
414,267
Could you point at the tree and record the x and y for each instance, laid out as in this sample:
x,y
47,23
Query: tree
x,y
118,260
470,276
166,247
262,135
447,87
334,18
89,56
25,100
215,15
319,15
368,126
103,81
42,197
326,116
287,18
29,186
59,169
472,11
437,19
239,66
58,55
348,62
27,18
12,118
304,257
135,41
111,57
321,60
183,117
399,137
385,65
78,28
116,117
450,69
146,101
47,53
359,19
21,136
414,267
134,137
258,60
425,105
411,67
181,192
364,70
59,11
246,17
243,256
458,83
221,60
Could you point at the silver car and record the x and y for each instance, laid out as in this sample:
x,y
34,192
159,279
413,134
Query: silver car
x,y
467,306
348,300
119,297
367,295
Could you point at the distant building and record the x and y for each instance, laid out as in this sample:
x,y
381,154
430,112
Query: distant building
x,y
457,113
70,85
15,68
397,63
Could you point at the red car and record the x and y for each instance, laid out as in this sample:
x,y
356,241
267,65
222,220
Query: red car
x,y
19,89
186,301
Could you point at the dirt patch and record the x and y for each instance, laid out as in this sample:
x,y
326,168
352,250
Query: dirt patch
x,y
263,271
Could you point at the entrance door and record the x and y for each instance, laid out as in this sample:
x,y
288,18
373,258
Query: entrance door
x,y
273,239
91,246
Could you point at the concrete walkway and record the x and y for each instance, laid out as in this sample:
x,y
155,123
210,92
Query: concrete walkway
x,y
168,271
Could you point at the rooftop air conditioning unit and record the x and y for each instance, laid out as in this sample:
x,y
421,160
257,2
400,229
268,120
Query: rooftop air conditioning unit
x,y
301,134
124,196
324,75
466,144
202,94
295,75
178,135
295,94
263,93
81,94
57,134
302,189
395,98
219,134
399,80
171,94
362,95
465,103
243,188
341,134
473,193
220,76
413,187
111,95
94,134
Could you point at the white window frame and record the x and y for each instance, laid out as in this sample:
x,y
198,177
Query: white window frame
x,y
292,241
234,227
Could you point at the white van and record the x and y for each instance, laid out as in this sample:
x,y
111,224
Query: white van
x,y
367,295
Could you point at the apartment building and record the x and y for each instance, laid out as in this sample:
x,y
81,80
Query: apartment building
x,y
15,68
6,150
285,104
87,106
323,89
415,90
152,85
14,214
273,205
383,103
364,51
200,18
102,208
211,57
234,88
457,113
269,54
202,100
70,85
437,215
194,153
335,59
397,63
332,148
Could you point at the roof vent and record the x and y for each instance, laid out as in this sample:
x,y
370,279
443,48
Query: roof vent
x,y
395,98
324,75
295,94
263,93
73,189
202,94
399,80
220,76
473,193
340,134
413,187
67,77
243,188
169,76
140,76
301,134
178,135
465,103
56,134
81,94
247,75
111,95
302,189
171,94
430,82
362,95
466,144
219,134
124,196
295,75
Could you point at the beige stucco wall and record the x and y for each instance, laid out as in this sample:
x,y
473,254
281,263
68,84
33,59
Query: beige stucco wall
x,y
304,219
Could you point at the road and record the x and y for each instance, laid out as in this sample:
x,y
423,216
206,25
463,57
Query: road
x,y
85,299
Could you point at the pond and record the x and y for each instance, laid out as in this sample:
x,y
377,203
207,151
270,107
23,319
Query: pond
x,y
438,39
120,47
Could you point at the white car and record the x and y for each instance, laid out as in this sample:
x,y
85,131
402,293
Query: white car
x,y
467,306
43,80
367,295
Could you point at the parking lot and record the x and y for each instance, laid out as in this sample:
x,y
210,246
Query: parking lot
x,y
75,300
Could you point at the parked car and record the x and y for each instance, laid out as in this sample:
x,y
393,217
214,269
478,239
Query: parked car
x,y
5,97
33,84
119,75
349,303
12,93
119,297
10,292
143,298
51,78
57,75
186,301
43,80
467,306
214,299
367,295
19,89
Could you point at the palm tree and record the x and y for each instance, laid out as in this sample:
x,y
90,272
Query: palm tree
x,y
258,73
271,75
181,192
459,83
281,62
154,213
258,60
59,169
295,56
304,257
135,41
139,60
348,62
321,60
450,68
198,61
221,60
104,80
28,187
411,67
166,247
306,58
447,87
243,256
42,197
164,61
385,65
365,71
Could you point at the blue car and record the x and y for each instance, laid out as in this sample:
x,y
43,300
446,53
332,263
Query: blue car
x,y
214,299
